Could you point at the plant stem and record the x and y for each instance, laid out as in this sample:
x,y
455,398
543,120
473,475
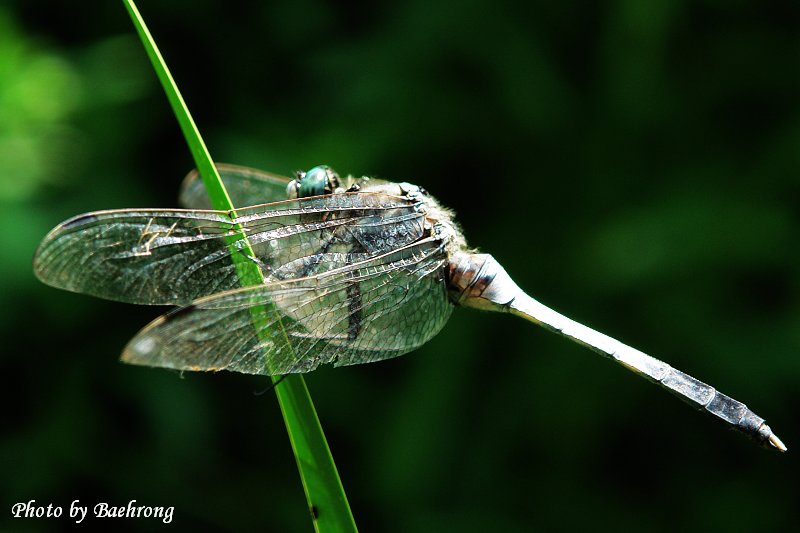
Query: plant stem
x,y
323,487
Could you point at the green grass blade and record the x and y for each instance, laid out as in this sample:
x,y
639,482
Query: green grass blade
x,y
323,487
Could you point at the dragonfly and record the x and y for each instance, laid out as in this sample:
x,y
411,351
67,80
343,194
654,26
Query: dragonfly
x,y
354,270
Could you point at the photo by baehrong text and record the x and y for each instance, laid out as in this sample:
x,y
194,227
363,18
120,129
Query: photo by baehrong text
x,y
78,512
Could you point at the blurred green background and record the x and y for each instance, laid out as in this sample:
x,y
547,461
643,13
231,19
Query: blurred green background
x,y
633,164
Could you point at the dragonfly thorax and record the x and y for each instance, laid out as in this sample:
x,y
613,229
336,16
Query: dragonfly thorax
x,y
438,222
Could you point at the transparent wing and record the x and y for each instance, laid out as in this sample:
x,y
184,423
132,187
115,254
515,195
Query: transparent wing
x,y
359,312
245,186
175,256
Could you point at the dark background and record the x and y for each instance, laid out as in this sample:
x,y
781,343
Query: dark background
x,y
633,164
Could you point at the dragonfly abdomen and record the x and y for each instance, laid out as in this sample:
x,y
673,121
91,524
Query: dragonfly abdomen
x,y
478,280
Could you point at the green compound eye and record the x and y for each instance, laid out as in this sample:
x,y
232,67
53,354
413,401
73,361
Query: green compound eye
x,y
317,181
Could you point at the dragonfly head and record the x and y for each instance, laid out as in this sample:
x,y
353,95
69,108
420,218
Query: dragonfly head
x,y
318,181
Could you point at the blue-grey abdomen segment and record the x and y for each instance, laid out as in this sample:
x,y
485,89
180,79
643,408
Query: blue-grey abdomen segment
x,y
706,397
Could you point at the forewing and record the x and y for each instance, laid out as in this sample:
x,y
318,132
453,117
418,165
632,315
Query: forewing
x,y
175,256
245,186
399,303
